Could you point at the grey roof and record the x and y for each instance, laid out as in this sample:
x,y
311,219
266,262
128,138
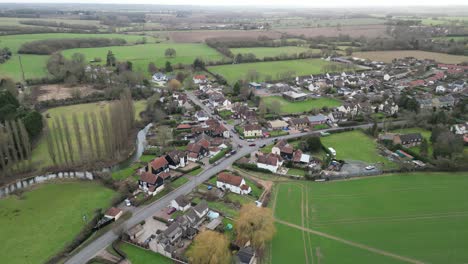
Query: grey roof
x,y
182,201
245,254
317,118
200,207
410,137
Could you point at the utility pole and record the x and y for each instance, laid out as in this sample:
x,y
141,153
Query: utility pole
x,y
21,66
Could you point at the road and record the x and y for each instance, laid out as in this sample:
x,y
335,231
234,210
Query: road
x,y
140,214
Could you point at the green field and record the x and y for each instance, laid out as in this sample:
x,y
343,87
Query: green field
x,y
274,69
287,107
140,256
354,145
262,52
422,216
141,55
424,133
34,66
38,225
389,55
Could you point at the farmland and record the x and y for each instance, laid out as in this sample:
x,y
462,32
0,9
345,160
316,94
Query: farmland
x,y
43,220
288,107
421,216
346,148
388,56
141,55
273,69
198,36
262,52
353,31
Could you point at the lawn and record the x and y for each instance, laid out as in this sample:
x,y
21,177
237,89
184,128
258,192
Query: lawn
x,y
388,56
425,133
40,154
46,218
195,172
354,145
422,216
140,106
125,173
179,182
141,55
297,172
287,107
273,69
262,52
141,256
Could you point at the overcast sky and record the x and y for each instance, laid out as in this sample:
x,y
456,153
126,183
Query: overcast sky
x,y
284,3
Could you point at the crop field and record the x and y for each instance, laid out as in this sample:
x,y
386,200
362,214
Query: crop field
x,y
46,218
356,31
388,56
199,36
141,55
397,218
273,69
346,148
262,52
288,107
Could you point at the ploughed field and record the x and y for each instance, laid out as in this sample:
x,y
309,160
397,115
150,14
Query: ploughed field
x,y
389,55
397,218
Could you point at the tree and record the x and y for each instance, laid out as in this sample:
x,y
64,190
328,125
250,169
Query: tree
x,y
78,136
236,89
349,51
9,85
312,144
255,225
447,145
174,84
152,68
275,107
170,52
198,64
56,65
262,109
168,67
210,247
424,148
110,60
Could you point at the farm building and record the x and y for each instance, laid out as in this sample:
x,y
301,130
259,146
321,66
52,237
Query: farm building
x,y
294,97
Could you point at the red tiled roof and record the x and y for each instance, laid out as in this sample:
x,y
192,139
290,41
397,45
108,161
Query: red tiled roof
x,y
113,211
269,159
244,187
203,142
230,179
194,148
297,155
193,155
148,177
164,175
184,126
200,77
159,163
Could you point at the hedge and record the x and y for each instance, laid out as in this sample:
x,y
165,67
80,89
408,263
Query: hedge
x,y
219,156
252,167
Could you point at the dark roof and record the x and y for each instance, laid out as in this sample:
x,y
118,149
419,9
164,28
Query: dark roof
x,y
245,255
251,127
200,207
269,159
148,177
159,163
182,201
410,137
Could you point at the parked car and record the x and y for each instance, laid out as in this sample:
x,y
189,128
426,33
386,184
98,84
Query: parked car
x,y
262,146
127,202
171,210
233,152
370,167
252,145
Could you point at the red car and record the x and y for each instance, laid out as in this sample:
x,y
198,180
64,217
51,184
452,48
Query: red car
x,y
252,145
171,210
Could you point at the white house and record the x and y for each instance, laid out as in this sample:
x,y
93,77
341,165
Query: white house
x,y
181,203
159,77
440,89
270,162
201,116
199,79
233,183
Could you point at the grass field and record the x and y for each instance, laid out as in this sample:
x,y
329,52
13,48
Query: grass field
x,y
287,107
34,66
262,52
40,154
388,56
140,256
354,145
39,224
422,216
141,55
236,72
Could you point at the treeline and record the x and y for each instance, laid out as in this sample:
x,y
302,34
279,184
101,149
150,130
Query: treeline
x,y
15,147
49,46
58,24
98,137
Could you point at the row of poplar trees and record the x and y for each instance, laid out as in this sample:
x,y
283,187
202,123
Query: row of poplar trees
x,y
15,147
98,138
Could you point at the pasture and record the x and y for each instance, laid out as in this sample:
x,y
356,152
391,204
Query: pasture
x,y
287,107
40,222
417,216
272,69
346,148
388,56
262,52
141,55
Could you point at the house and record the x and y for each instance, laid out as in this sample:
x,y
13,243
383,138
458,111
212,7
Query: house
x,y
158,165
318,119
444,101
425,103
201,209
337,116
349,109
408,140
181,203
176,159
199,79
233,183
271,162
283,149
278,125
197,150
294,97
201,116
299,157
252,130
460,129
150,183
246,255
217,100
299,123
159,77
113,213
254,85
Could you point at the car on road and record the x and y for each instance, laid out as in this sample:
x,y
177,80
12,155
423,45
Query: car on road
x,y
252,144
240,145
233,152
127,202
370,167
250,140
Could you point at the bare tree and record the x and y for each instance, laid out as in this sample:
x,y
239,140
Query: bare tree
x,y
59,132
88,136
96,135
78,136
66,131
50,144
